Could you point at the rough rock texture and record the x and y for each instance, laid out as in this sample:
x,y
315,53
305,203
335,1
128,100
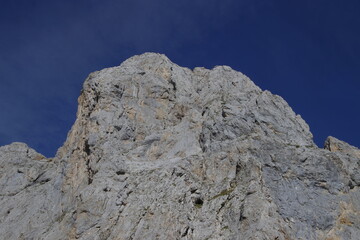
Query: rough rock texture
x,y
164,152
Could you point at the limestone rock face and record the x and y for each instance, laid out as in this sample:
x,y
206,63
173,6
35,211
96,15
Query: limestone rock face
x,y
164,152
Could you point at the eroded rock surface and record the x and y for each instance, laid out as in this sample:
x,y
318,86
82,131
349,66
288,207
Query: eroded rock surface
x,y
164,152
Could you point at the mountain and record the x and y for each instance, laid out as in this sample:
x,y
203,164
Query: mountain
x,y
163,152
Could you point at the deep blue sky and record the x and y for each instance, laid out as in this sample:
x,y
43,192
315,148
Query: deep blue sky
x,y
305,51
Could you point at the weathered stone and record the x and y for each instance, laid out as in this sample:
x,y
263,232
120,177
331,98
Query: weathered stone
x,y
164,152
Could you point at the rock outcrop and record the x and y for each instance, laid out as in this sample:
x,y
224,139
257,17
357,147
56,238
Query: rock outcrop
x,y
164,152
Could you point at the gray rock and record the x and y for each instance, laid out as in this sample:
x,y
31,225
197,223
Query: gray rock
x,y
164,152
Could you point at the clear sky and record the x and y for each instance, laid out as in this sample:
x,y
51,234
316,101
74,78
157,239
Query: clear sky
x,y
306,51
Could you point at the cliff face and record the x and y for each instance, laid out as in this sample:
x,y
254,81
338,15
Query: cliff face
x,y
164,152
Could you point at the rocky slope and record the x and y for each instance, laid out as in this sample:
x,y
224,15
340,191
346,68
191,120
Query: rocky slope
x,y
164,152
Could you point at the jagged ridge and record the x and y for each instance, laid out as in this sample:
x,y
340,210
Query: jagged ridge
x,y
164,152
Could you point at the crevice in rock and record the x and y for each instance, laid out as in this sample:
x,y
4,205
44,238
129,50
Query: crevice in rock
x,y
351,185
185,232
96,98
202,142
198,203
173,84
90,171
237,169
135,228
193,190
120,172
242,217
87,148
118,91
45,180
223,113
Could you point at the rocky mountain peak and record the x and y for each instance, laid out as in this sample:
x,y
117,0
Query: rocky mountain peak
x,y
159,151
